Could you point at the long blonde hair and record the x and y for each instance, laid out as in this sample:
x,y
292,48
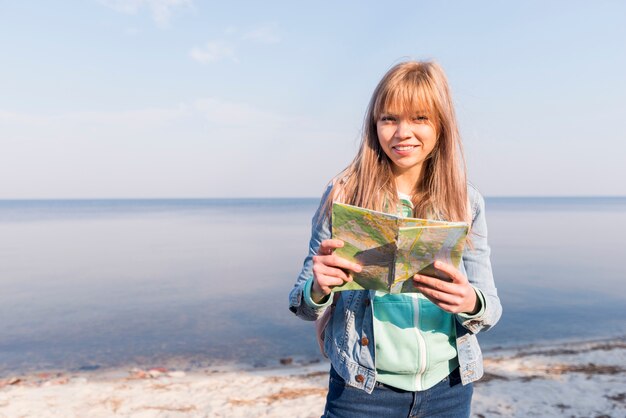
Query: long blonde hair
x,y
368,181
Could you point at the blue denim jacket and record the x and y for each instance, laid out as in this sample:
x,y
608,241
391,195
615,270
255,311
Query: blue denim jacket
x,y
352,324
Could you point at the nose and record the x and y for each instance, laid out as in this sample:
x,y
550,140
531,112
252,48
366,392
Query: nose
x,y
403,129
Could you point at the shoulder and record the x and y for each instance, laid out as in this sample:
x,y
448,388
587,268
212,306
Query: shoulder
x,y
335,187
476,199
322,214
328,188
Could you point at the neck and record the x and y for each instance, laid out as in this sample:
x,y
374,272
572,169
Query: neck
x,y
407,180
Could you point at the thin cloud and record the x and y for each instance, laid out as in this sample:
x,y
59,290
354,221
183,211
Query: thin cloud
x,y
161,10
213,51
218,50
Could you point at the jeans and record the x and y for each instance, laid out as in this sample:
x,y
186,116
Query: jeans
x,y
448,398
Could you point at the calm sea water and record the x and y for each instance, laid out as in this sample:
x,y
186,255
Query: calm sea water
x,y
114,282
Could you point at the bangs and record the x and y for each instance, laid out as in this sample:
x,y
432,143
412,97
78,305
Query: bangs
x,y
411,95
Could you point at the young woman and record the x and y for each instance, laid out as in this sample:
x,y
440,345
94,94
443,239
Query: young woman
x,y
410,354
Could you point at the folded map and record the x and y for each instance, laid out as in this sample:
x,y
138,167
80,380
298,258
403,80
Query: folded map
x,y
392,249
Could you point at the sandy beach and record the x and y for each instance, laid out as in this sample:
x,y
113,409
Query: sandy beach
x,y
583,379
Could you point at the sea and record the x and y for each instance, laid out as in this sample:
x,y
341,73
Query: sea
x,y
89,284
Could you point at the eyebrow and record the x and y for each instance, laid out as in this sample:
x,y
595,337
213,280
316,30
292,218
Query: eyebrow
x,y
416,113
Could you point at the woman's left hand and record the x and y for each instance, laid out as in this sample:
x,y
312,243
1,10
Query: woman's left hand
x,y
456,296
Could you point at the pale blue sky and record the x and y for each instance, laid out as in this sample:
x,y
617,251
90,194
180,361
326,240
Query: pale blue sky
x,y
191,98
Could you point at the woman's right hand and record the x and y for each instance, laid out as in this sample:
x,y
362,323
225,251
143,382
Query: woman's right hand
x,y
330,270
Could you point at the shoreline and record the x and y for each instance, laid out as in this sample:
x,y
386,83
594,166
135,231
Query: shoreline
x,y
585,378
190,363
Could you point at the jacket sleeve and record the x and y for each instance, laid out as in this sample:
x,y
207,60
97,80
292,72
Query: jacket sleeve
x,y
478,268
320,230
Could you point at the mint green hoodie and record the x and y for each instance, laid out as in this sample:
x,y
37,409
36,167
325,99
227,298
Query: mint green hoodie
x,y
415,339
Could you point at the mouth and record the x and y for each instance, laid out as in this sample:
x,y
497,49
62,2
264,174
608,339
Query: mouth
x,y
404,147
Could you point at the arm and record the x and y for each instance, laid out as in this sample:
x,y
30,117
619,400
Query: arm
x,y
320,230
471,296
322,270
479,273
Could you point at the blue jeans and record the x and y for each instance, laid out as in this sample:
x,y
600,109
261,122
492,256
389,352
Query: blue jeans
x,y
448,398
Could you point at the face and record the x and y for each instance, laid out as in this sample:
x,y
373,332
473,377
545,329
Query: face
x,y
407,140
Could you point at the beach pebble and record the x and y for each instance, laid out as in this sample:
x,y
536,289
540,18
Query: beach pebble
x,y
61,381
177,374
156,372
286,361
138,373
10,381
56,382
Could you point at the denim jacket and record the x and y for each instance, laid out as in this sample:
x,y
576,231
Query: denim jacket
x,y
352,323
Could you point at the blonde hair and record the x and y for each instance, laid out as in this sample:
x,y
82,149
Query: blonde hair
x,y
441,192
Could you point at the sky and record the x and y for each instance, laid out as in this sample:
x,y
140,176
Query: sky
x,y
203,99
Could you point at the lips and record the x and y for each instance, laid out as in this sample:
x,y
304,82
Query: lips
x,y
405,147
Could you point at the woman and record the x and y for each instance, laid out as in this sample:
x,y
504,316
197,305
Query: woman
x,y
412,353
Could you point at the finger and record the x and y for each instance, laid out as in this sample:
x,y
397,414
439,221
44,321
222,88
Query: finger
x,y
327,283
427,293
336,261
446,302
438,297
342,263
330,281
433,283
329,245
325,270
450,271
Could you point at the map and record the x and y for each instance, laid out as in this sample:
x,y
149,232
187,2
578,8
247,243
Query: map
x,y
392,249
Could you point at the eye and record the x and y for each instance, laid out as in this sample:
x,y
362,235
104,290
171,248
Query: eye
x,y
387,118
420,118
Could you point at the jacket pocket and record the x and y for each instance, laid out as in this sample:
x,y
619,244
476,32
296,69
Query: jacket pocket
x,y
396,335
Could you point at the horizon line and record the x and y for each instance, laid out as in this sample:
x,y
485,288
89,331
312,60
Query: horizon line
x,y
290,198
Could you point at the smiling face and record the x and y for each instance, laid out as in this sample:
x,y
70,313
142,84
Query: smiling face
x,y
410,144
407,139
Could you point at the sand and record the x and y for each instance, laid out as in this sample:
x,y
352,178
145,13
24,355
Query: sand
x,y
583,379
